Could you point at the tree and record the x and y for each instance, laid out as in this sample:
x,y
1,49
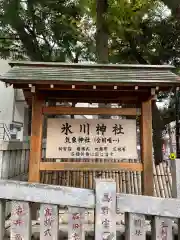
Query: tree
x,y
43,30
102,31
153,39
145,41
116,31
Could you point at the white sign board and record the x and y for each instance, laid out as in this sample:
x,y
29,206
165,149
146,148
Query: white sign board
x,y
91,138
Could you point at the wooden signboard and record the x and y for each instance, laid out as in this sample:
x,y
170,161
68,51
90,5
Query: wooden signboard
x,y
102,138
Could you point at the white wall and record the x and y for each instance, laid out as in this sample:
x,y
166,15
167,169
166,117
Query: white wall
x,y
12,103
6,96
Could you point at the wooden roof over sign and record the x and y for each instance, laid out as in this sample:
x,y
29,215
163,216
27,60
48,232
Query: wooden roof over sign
x,y
90,82
57,73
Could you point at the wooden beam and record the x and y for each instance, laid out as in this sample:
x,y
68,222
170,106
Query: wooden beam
x,y
36,139
86,87
95,95
146,149
84,166
120,100
90,111
73,96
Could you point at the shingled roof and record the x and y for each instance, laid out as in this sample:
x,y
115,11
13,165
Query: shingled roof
x,y
41,72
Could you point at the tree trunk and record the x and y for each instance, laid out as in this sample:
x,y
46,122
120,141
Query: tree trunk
x,y
101,44
102,37
158,126
101,31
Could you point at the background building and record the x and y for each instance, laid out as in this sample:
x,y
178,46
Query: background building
x,y
13,110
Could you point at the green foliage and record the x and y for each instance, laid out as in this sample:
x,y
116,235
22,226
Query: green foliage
x,y
127,15
146,37
46,30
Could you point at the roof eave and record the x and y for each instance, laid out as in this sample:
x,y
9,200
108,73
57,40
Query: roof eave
x,y
60,82
88,65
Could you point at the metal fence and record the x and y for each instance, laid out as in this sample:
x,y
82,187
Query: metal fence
x,y
5,134
104,201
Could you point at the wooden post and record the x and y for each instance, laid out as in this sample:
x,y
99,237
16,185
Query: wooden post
x,y
146,149
36,139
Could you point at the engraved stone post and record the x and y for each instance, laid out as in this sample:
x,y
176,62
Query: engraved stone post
x,y
162,229
135,226
21,221
76,223
105,212
175,170
2,218
49,222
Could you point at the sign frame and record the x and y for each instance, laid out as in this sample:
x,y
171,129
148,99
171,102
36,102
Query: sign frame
x,y
91,139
